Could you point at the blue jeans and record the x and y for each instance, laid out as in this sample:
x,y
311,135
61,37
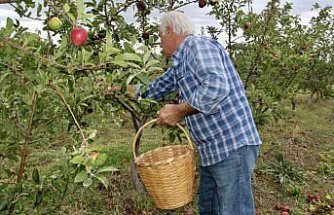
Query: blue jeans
x,y
226,187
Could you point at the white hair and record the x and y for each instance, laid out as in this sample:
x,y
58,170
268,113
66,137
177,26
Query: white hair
x,y
178,22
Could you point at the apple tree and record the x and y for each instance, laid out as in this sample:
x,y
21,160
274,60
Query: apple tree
x,y
49,86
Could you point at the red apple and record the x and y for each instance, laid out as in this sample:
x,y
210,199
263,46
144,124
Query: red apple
x,y
94,155
201,3
78,36
141,5
145,35
285,209
247,25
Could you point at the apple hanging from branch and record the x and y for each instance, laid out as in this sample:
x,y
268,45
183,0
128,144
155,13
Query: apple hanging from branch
x,y
202,3
54,23
141,5
78,36
145,35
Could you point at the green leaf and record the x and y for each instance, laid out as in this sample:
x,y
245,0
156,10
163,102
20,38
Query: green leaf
x,y
129,57
146,56
87,55
92,135
109,49
134,65
39,9
107,169
72,17
66,8
101,159
88,182
3,205
153,68
151,63
9,24
171,137
3,76
113,50
35,176
81,176
121,63
103,180
77,159
80,8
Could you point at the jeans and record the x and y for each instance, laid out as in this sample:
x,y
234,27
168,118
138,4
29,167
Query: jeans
x,y
226,187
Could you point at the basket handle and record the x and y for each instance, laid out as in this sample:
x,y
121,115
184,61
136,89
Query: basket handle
x,y
152,122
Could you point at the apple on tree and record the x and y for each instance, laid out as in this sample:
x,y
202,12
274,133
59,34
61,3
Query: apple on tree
x,y
202,3
145,35
78,36
213,2
247,25
54,23
141,5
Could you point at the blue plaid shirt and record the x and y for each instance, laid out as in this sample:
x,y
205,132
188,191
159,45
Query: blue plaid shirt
x,y
204,76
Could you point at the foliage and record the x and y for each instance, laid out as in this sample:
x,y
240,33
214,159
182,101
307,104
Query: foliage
x,y
50,87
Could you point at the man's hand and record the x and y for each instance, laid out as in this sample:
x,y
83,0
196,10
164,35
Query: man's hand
x,y
171,114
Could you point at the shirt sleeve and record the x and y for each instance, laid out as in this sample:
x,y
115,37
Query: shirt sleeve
x,y
162,86
206,63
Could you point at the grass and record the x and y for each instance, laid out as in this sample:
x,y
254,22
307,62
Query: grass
x,y
296,160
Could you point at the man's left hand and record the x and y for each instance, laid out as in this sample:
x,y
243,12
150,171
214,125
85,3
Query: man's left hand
x,y
169,115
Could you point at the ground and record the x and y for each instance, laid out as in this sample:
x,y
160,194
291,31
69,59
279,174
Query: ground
x,y
295,170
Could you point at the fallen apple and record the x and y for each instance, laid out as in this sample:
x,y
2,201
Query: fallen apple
x,y
54,23
94,155
78,36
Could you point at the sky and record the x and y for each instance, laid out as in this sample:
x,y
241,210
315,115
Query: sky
x,y
199,16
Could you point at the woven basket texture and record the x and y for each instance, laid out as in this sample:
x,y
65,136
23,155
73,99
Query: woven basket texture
x,y
168,175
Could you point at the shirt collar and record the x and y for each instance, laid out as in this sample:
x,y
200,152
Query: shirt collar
x,y
178,54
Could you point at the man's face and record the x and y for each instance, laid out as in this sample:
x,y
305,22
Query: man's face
x,y
168,42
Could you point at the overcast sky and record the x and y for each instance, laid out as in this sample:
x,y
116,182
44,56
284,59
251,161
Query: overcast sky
x,y
199,16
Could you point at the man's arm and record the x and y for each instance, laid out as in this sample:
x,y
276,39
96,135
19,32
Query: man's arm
x,y
171,114
161,86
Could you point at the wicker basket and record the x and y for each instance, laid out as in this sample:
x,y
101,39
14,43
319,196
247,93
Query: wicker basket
x,y
167,172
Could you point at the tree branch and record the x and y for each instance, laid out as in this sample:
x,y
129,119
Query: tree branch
x,y
84,141
24,152
9,1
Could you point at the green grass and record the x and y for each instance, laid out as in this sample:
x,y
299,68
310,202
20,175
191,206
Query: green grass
x,y
296,159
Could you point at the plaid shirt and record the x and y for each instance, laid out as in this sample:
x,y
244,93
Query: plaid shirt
x,y
204,76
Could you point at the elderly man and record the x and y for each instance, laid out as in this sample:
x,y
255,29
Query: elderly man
x,y
213,102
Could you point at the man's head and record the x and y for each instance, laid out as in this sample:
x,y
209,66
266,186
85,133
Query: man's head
x,y
173,29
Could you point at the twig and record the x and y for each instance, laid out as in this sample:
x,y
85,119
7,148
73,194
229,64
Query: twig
x,y
24,153
47,60
44,59
182,5
126,5
258,50
9,1
84,141
26,16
